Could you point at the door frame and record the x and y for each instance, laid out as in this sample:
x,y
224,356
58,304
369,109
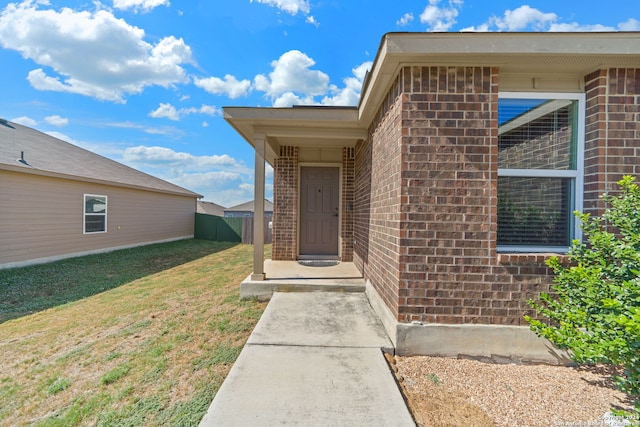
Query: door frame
x,y
298,220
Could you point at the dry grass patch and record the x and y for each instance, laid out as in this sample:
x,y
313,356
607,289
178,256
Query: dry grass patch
x,y
151,352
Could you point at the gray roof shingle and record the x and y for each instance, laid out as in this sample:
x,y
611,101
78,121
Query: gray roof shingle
x,y
46,155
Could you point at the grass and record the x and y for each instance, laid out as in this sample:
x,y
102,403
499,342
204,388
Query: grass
x,y
142,336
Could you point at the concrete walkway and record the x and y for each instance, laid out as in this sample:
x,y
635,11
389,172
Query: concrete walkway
x,y
314,359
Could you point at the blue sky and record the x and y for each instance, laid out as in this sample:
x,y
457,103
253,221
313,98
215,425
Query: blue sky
x,y
144,81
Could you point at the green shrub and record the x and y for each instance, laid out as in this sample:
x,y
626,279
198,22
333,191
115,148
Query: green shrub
x,y
595,309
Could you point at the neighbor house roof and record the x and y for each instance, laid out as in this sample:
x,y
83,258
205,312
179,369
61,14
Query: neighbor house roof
x,y
210,208
248,207
45,155
561,59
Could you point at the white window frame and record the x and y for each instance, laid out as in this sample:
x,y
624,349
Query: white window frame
x,y
85,213
577,174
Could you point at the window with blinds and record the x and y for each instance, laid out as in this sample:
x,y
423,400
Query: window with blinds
x,y
538,173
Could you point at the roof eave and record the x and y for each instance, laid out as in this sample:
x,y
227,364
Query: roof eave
x,y
586,52
307,126
50,174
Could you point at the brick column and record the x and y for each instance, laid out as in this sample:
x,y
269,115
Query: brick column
x,y
612,139
285,205
348,176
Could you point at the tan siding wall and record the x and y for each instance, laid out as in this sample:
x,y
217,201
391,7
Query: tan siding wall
x,y
42,217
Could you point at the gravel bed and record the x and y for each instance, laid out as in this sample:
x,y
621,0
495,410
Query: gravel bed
x,y
458,392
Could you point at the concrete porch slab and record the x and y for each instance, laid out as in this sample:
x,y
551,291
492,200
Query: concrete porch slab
x,y
290,276
327,320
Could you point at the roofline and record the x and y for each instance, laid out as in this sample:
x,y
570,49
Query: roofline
x,y
470,48
567,54
40,172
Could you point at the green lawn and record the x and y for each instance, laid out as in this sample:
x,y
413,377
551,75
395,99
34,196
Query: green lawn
x,y
142,336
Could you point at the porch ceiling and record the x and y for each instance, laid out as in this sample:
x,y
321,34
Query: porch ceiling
x,y
300,126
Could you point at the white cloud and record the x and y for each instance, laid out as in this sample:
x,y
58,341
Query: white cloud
x,y
170,112
139,5
209,110
629,25
56,121
350,94
230,86
440,18
219,178
292,73
292,82
289,6
166,111
574,26
288,99
90,53
405,20
162,157
527,18
312,20
168,131
524,17
24,121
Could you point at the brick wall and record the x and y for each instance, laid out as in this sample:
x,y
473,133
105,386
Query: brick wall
x,y
426,203
377,200
612,140
449,170
426,219
346,226
285,205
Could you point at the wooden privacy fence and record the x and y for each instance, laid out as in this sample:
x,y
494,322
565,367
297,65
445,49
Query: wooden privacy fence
x,y
212,227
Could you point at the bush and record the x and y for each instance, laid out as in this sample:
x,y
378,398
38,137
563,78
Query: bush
x,y
595,309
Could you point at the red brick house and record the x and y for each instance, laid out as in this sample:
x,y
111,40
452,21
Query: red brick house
x,y
455,177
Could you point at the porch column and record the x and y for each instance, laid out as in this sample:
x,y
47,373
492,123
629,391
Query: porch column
x,y
258,209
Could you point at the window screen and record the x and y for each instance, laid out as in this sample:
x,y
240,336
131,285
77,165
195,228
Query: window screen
x,y
537,167
95,214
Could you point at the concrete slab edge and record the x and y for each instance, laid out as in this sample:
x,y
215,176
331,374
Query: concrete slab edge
x,y
382,311
263,290
491,343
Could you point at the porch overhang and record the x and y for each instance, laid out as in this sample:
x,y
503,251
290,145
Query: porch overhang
x,y
302,126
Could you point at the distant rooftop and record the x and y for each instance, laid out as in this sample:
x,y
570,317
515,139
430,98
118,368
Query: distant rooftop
x,y
249,207
210,208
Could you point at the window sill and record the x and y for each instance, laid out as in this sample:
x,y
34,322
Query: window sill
x,y
529,258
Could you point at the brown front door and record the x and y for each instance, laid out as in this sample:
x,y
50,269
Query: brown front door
x,y
319,201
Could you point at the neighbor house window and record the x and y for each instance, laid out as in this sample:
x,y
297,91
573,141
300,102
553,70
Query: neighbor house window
x,y
540,157
95,213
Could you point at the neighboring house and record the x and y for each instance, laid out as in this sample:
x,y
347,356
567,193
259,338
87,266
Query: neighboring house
x,y
455,177
210,208
58,200
246,210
